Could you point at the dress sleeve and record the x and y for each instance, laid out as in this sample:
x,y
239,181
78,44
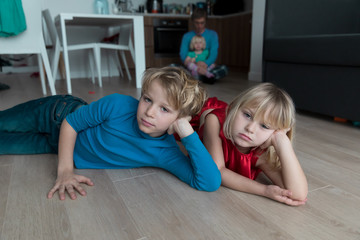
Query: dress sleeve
x,y
198,170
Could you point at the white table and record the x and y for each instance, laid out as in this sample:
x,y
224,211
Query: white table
x,y
79,19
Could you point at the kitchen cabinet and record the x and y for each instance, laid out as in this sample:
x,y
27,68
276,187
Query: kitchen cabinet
x,y
234,33
152,60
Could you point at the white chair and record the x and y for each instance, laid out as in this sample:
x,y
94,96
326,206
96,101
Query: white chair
x,y
57,48
124,43
31,41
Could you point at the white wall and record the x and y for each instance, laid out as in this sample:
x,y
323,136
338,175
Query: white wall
x,y
255,73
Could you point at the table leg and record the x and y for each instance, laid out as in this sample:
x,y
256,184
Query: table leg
x,y
65,55
139,45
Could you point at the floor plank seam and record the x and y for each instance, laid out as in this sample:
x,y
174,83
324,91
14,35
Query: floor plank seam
x,y
7,200
137,176
316,189
5,164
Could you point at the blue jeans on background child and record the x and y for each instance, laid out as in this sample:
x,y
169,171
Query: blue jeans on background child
x,y
33,127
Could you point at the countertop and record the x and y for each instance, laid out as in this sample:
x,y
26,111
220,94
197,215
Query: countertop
x,y
181,15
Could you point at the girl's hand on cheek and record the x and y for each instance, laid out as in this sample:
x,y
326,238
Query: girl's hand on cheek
x,y
278,137
274,138
181,126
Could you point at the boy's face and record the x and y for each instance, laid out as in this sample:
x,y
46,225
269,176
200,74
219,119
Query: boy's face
x,y
155,114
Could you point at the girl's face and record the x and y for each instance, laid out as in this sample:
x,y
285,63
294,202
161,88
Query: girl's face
x,y
155,114
248,133
198,45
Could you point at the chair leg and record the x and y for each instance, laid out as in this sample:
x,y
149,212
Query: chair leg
x,y
122,53
118,64
108,65
45,60
55,60
97,55
42,77
91,64
131,49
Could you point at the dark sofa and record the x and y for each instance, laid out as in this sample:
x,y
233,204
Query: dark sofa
x,y
312,50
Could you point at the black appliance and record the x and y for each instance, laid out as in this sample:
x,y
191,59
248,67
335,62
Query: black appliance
x,y
167,36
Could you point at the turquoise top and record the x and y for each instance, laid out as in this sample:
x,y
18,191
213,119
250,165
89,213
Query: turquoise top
x,y
199,57
109,137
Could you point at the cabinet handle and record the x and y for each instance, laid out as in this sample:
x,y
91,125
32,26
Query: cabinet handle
x,y
171,29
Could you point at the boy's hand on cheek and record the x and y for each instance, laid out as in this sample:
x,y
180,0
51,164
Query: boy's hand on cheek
x,y
182,127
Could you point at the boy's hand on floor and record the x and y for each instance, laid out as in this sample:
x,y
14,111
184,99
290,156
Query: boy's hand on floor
x,y
69,182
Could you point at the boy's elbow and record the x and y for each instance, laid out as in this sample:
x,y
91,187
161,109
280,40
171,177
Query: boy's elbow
x,y
212,184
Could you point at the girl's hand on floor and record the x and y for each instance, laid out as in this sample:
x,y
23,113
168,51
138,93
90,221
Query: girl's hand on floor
x,y
69,182
282,195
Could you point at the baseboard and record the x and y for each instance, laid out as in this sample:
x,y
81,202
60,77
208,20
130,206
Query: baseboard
x,y
24,69
255,76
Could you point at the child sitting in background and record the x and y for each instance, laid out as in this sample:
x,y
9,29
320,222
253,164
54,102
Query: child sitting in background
x,y
198,53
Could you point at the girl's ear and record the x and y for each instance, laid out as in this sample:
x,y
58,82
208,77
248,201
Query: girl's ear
x,y
289,133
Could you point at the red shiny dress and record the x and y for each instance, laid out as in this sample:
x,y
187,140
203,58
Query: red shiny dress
x,y
236,161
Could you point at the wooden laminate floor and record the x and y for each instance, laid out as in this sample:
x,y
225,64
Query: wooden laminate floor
x,y
149,203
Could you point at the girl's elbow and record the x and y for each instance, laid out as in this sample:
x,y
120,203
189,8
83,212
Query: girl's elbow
x,y
300,195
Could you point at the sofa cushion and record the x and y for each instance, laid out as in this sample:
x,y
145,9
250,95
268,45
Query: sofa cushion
x,y
339,49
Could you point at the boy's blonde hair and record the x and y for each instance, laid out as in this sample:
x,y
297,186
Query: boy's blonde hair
x,y
196,39
269,102
183,91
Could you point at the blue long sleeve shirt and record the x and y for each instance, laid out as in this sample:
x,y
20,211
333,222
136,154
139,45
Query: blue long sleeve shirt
x,y
212,44
109,138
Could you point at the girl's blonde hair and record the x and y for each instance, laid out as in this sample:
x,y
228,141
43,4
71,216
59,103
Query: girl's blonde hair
x,y
196,39
183,91
272,105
